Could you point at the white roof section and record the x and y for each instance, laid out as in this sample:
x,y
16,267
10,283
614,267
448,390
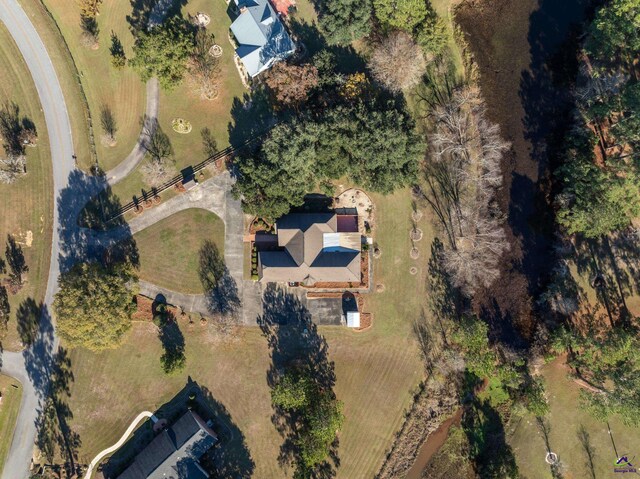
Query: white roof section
x,y
262,38
353,319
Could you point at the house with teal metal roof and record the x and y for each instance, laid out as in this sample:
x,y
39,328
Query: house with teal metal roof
x,y
261,37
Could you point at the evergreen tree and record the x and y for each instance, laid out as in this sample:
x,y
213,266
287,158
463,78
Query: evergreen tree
x,y
343,21
403,14
163,51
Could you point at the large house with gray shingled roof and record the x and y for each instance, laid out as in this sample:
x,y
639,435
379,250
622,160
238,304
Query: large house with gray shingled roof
x,y
262,38
312,248
174,453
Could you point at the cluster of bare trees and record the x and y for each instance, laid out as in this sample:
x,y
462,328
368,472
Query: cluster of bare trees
x,y
462,175
16,134
203,67
398,62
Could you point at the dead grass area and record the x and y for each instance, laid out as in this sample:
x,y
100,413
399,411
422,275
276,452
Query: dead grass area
x,y
26,204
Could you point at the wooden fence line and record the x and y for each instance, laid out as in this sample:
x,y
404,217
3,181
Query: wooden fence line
x,y
227,153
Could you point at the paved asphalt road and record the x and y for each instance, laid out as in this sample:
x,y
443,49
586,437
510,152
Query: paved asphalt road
x,y
61,143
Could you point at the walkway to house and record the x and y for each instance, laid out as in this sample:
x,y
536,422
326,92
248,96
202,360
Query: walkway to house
x,y
108,451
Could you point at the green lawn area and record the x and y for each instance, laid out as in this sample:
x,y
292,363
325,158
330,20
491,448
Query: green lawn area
x,y
8,413
376,371
63,63
121,91
27,203
182,103
566,418
169,249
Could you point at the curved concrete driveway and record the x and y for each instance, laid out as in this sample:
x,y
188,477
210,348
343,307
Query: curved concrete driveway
x,y
127,165
61,144
101,455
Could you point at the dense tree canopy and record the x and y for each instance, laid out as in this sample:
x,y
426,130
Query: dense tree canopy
x,y
596,200
163,51
377,149
94,305
319,412
402,14
615,32
343,21
610,361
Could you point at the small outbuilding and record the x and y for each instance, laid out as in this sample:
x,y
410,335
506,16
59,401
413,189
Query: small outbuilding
x,y
353,319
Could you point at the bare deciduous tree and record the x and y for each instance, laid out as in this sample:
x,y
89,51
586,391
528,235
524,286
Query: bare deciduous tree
x,y
291,84
155,173
204,68
462,175
160,164
398,62
12,167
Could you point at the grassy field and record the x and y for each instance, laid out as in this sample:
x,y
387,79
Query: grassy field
x,y
169,249
566,419
8,413
26,204
121,91
376,371
182,103
63,63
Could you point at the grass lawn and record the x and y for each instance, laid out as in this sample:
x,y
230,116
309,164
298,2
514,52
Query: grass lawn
x,y
63,63
121,91
26,204
566,419
8,413
376,371
169,249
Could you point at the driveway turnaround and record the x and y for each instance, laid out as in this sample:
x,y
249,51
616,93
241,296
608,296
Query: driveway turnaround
x,y
21,365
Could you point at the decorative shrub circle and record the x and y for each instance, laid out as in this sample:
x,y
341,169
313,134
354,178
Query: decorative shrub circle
x,y
413,270
414,253
416,215
215,51
551,458
180,125
380,288
415,234
203,19
377,252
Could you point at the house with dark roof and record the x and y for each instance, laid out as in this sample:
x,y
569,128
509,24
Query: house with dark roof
x,y
262,38
175,452
312,248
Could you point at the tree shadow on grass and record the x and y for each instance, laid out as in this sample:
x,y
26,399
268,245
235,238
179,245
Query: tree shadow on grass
x,y
219,287
28,317
294,342
82,207
141,12
491,454
252,116
173,358
54,433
